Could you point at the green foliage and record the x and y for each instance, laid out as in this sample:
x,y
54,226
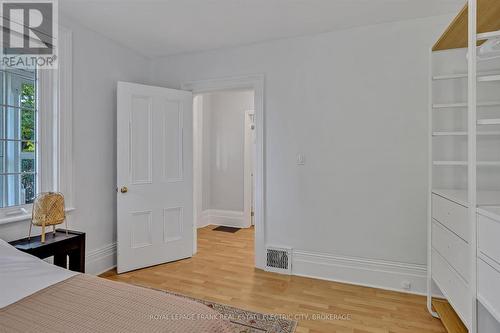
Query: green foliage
x,y
28,133
28,117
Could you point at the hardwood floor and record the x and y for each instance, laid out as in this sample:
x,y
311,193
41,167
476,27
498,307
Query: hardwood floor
x,y
222,271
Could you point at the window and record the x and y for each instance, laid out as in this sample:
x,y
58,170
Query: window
x,y
36,149
18,137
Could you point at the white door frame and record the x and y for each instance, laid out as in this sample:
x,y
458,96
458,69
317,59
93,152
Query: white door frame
x,y
249,156
198,134
256,83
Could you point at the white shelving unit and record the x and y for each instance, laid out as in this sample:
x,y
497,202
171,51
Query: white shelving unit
x,y
464,172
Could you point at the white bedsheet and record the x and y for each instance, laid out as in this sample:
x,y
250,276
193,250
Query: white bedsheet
x,y
22,274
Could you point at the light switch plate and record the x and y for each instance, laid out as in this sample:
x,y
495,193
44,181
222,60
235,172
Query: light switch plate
x,y
301,159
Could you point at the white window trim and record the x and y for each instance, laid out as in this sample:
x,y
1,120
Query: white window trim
x,y
55,134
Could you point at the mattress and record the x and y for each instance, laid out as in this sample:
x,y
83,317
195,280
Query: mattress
x,y
38,297
22,274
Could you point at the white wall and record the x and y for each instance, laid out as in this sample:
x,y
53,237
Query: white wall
x,y
354,102
98,63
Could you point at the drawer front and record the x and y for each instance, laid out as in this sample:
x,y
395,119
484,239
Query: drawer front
x,y
488,287
453,287
451,215
453,248
489,237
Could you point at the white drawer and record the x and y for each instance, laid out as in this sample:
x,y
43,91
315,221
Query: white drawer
x,y
488,288
453,248
452,286
489,237
451,215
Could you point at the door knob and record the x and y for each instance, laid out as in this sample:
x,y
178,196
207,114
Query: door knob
x,y
124,189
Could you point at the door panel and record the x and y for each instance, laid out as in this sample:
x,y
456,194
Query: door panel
x,y
154,170
141,229
172,142
141,140
172,224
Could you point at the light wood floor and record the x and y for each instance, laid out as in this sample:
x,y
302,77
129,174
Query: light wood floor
x,y
222,271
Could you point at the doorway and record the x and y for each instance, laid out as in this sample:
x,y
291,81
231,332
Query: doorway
x,y
224,153
254,83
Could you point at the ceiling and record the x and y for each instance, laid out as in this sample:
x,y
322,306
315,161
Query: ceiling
x,y
161,28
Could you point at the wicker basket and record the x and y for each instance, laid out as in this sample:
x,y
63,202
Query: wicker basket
x,y
48,210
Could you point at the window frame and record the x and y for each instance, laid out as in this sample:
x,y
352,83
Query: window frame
x,y
54,133
19,78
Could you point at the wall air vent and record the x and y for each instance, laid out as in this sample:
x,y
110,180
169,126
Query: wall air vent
x,y
279,260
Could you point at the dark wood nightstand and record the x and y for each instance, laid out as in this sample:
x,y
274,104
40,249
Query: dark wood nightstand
x,y
60,245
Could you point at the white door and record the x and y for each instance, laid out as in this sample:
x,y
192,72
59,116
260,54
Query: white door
x,y
154,175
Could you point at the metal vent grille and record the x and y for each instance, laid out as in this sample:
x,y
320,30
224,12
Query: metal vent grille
x,y
279,260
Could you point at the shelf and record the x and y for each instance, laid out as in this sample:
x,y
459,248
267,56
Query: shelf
x,y
491,121
449,163
488,163
449,105
463,105
484,198
488,78
488,35
464,133
492,212
488,133
491,103
449,76
449,133
480,76
464,163
489,261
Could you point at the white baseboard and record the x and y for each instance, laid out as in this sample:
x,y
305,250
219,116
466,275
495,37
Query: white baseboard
x,y
101,260
365,272
359,271
204,219
228,218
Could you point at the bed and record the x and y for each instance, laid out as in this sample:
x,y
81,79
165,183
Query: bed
x,y
36,296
